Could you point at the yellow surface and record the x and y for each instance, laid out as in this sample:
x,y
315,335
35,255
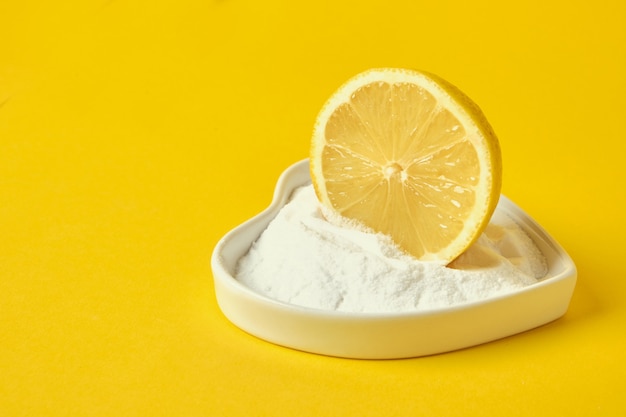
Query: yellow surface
x,y
134,134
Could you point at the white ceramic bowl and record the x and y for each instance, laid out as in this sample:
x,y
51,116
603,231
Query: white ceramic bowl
x,y
386,336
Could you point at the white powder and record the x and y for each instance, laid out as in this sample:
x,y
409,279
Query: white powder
x,y
304,259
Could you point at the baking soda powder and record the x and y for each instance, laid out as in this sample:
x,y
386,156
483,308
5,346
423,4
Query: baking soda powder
x,y
320,260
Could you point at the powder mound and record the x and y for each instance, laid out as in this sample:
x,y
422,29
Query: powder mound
x,y
323,261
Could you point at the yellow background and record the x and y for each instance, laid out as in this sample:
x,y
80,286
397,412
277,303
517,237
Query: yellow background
x,y
135,133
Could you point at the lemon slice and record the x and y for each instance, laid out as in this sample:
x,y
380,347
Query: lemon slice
x,y
407,154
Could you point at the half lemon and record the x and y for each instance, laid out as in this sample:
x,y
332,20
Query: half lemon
x,y
407,154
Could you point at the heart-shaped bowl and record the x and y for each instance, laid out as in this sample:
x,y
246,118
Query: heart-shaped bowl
x,y
388,335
